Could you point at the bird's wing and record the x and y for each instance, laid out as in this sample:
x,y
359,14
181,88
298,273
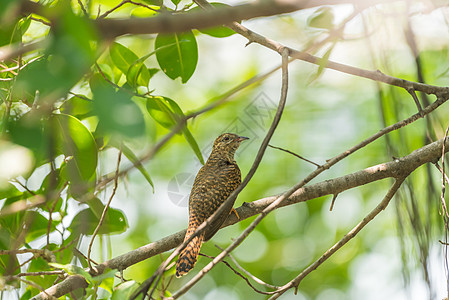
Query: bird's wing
x,y
233,179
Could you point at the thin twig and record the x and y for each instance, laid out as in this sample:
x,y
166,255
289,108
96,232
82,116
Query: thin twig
x,y
294,154
103,215
239,274
83,8
84,256
40,20
23,251
256,279
33,284
107,13
41,273
443,179
351,234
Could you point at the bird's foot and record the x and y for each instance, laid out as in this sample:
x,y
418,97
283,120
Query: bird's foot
x,y
235,212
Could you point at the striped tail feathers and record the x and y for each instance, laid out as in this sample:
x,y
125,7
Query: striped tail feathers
x,y
189,255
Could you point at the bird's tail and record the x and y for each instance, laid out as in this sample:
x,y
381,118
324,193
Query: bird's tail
x,y
188,256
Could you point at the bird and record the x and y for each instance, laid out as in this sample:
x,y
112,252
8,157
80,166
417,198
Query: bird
x,y
213,184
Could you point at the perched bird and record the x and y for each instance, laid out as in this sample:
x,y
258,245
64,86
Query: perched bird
x,y
215,181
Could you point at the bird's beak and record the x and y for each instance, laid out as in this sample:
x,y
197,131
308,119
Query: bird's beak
x,y
242,138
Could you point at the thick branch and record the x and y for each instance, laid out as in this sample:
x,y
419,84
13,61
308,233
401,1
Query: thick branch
x,y
393,169
168,23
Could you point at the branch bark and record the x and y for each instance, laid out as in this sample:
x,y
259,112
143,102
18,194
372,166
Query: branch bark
x,y
169,23
394,169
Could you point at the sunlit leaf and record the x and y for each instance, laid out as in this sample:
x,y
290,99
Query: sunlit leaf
x,y
160,111
107,274
322,18
77,107
125,290
138,74
85,222
167,113
180,55
122,57
9,190
27,295
74,139
322,63
73,270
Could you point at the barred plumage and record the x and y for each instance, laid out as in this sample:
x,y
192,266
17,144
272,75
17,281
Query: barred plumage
x,y
213,184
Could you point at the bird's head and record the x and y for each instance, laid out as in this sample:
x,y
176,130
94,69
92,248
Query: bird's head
x,y
226,145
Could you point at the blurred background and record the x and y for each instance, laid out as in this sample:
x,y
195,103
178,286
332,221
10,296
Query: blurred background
x,y
397,256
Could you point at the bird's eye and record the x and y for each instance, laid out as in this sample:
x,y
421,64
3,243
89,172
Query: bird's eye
x,y
226,138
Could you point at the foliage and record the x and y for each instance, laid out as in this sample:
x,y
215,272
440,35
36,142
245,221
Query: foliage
x,y
71,106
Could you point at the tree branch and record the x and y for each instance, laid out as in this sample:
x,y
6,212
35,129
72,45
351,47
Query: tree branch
x,y
169,23
351,234
397,168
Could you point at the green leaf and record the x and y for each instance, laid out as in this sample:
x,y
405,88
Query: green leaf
x,y
74,139
322,63
108,283
180,55
219,31
322,18
9,264
167,112
122,57
28,131
77,107
107,274
97,207
138,74
175,2
117,112
125,290
27,295
159,110
19,30
68,57
38,264
85,222
9,190
193,144
134,159
38,226
73,270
